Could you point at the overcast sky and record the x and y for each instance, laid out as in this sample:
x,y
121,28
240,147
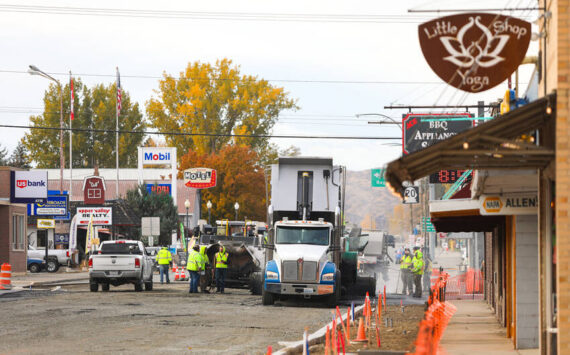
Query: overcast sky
x,y
372,64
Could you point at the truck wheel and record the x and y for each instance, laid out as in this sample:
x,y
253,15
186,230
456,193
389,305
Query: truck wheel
x,y
256,283
105,287
93,286
139,285
35,267
267,298
372,286
148,285
52,265
333,299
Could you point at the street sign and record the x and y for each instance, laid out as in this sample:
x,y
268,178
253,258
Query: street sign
x,y
427,225
150,226
411,195
377,177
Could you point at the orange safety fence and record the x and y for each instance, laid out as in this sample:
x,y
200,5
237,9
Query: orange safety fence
x,y
469,285
435,319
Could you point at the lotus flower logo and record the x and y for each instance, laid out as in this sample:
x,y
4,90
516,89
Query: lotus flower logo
x,y
484,53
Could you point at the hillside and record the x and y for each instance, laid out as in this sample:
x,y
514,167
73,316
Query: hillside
x,y
364,201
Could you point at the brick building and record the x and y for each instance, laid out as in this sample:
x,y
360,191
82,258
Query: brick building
x,y
13,223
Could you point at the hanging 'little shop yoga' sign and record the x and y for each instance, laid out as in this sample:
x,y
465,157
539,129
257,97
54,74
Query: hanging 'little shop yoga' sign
x,y
474,52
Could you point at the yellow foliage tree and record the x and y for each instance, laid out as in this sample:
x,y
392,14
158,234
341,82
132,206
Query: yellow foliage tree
x,y
216,100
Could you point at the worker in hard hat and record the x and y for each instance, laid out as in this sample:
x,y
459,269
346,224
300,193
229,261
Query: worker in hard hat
x,y
194,265
164,259
205,261
221,269
405,264
418,271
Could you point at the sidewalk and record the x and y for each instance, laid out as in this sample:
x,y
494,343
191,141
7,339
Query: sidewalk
x,y
474,328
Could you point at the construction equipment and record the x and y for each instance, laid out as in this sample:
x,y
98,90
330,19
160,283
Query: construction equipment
x,y
305,254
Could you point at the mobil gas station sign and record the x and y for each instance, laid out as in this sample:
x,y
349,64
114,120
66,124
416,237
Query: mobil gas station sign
x,y
157,156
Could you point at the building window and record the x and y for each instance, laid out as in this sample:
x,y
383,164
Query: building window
x,y
18,232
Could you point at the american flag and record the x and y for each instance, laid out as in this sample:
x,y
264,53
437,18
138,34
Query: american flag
x,y
72,116
118,93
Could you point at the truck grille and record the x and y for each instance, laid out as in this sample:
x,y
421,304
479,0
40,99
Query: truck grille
x,y
300,271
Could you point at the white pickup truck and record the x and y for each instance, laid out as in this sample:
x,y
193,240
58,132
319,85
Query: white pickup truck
x,y
120,262
56,257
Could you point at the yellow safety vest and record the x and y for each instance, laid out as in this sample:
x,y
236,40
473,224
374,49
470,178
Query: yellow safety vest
x,y
204,257
194,261
405,262
163,257
221,260
418,264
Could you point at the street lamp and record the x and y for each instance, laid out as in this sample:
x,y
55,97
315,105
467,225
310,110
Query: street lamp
x,y
33,70
187,205
390,119
236,206
209,206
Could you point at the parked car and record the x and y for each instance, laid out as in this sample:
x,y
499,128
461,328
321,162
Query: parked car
x,y
56,257
119,262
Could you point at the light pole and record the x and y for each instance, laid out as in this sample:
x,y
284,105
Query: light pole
x,y
209,206
390,119
33,70
187,205
236,206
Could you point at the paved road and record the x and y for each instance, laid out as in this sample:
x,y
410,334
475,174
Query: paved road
x,y
165,320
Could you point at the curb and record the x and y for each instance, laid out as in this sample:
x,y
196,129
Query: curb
x,y
318,337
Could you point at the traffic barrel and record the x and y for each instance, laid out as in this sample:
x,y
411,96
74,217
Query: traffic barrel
x,y
6,277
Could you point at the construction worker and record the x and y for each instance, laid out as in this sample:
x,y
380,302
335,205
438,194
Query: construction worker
x,y
194,265
205,261
418,271
405,264
164,259
221,269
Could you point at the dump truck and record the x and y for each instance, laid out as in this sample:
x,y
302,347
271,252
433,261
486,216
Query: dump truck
x,y
245,255
306,256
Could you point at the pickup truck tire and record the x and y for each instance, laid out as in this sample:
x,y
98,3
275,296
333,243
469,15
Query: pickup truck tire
x,y
52,265
93,286
267,298
35,267
139,285
105,287
148,285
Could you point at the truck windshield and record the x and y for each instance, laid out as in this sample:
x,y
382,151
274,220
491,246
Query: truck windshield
x,y
120,248
296,235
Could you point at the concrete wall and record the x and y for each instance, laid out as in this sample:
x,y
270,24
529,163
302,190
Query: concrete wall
x,y
526,253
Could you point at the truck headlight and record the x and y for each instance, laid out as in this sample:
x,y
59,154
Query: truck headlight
x,y
328,277
270,275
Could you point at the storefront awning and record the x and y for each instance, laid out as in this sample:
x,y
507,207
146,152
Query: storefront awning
x,y
491,145
466,223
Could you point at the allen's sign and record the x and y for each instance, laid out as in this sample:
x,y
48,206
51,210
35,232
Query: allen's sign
x,y
517,204
200,178
474,52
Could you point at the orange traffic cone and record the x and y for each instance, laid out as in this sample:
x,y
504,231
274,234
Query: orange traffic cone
x,y
269,350
328,342
361,335
5,277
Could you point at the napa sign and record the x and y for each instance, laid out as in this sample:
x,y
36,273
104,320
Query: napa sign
x,y
519,204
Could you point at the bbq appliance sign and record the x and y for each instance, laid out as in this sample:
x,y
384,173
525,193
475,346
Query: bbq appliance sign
x,y
422,130
476,51
200,178
28,186
101,215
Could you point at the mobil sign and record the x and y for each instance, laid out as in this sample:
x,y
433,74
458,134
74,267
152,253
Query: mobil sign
x,y
157,156
28,186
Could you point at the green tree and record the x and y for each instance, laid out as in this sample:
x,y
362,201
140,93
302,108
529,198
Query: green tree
x,y
216,99
3,155
93,109
147,204
19,157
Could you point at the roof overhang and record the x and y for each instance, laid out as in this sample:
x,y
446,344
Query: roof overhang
x,y
454,208
495,144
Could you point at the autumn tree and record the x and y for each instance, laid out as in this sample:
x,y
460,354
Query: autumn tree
x,y
216,99
239,179
3,156
93,109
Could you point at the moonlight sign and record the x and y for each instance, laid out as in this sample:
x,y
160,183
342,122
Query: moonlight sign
x,y
474,52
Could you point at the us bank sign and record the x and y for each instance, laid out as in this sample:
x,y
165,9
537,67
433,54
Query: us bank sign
x,y
474,52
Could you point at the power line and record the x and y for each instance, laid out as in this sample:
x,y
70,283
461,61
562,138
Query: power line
x,y
382,82
94,130
204,15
